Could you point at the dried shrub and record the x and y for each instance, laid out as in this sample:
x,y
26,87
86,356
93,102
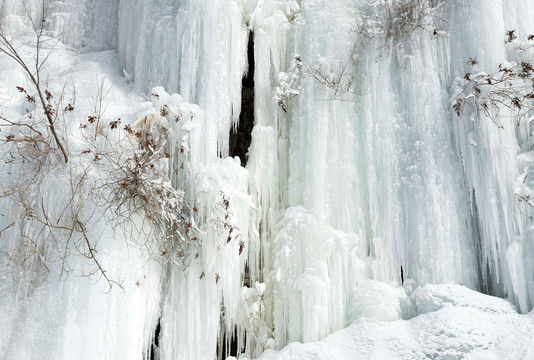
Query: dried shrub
x,y
394,19
336,83
511,87
134,161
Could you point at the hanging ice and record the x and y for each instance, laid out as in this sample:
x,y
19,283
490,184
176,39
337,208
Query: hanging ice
x,y
369,153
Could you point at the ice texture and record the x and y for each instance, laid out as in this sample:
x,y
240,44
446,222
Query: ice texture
x,y
452,322
364,170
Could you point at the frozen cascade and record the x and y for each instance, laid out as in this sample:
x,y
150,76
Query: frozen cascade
x,y
195,48
358,166
90,25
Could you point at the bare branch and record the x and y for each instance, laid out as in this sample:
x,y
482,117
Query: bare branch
x,y
92,256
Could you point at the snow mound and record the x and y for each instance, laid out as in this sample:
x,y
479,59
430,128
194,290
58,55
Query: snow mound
x,y
444,322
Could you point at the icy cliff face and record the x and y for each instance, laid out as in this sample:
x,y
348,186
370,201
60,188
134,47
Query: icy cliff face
x,y
90,25
359,166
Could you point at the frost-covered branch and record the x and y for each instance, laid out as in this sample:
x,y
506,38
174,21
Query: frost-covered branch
x,y
133,161
287,87
338,82
47,108
511,87
394,19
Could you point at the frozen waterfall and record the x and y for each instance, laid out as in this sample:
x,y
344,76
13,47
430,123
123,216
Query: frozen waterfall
x,y
359,165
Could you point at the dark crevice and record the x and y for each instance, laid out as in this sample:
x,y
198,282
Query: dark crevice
x,y
482,273
246,277
228,345
241,137
154,347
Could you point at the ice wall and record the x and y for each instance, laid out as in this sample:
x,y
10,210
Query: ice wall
x,y
365,169
89,25
417,207
490,155
385,174
195,48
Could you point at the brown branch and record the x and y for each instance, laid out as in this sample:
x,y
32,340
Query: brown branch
x,y
12,123
35,77
92,256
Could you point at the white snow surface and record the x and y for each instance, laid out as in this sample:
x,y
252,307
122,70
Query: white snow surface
x,y
450,322
342,187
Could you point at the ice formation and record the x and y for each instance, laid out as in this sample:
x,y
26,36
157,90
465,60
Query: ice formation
x,y
452,322
359,165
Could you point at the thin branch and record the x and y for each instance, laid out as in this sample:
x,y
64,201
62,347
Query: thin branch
x,y
93,257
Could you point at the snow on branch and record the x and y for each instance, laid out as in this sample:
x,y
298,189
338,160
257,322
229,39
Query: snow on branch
x,y
337,82
511,87
394,19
